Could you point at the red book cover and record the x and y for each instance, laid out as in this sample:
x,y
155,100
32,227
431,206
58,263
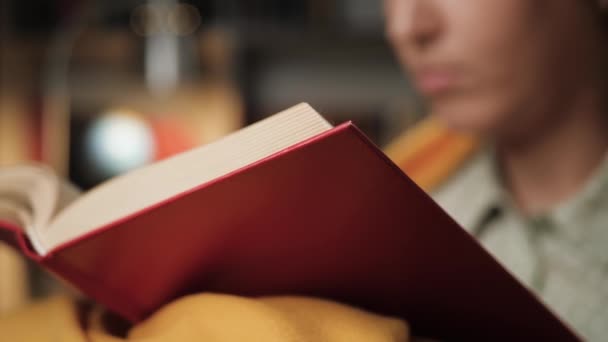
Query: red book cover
x,y
329,217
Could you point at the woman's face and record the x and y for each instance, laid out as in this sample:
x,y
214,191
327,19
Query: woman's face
x,y
498,67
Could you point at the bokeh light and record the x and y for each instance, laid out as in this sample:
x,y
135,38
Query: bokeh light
x,y
178,19
119,141
183,19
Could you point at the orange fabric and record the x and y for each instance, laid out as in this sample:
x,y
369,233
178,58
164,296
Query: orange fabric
x,y
430,152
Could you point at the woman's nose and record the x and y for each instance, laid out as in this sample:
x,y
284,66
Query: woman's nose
x,y
413,22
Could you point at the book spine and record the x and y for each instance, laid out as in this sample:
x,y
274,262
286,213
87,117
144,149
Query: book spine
x,y
95,288
14,236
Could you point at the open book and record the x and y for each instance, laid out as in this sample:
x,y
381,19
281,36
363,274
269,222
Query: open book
x,y
51,212
288,205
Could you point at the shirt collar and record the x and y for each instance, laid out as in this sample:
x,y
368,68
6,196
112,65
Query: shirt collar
x,y
592,198
478,191
492,196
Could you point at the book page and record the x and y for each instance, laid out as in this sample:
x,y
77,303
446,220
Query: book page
x,y
28,197
12,212
147,186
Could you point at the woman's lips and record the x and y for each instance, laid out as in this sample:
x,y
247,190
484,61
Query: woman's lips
x,y
434,82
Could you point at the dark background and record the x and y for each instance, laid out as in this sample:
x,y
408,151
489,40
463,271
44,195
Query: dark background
x,y
67,64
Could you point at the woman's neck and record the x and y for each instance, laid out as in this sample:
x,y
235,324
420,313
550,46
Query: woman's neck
x,y
557,162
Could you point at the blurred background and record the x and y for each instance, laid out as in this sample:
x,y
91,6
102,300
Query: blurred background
x,y
96,88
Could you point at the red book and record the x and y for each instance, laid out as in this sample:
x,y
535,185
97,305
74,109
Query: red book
x,y
289,205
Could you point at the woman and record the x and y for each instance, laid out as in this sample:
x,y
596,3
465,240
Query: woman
x,y
525,74
528,76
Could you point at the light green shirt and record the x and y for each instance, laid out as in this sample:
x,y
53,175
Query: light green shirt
x,y
562,255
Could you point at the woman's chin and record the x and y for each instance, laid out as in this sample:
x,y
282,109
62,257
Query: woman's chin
x,y
467,118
